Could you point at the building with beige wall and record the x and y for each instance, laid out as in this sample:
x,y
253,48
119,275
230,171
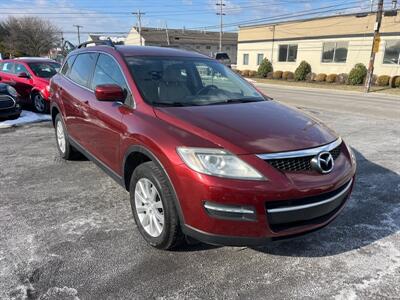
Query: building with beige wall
x,y
205,42
330,44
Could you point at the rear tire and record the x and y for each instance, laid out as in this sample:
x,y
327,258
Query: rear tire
x,y
63,145
153,207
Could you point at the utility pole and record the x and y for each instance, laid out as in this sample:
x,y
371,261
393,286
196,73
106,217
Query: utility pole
x,y
375,46
139,15
221,5
166,32
78,27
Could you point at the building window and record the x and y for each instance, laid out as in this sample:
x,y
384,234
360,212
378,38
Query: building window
x,y
208,47
227,48
392,53
288,52
245,59
260,58
335,52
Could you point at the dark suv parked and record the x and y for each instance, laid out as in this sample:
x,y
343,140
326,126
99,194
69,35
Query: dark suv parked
x,y
202,152
9,104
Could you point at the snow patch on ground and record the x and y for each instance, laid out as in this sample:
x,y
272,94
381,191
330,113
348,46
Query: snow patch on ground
x,y
26,117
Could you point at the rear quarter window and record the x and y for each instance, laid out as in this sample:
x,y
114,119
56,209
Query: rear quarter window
x,y
82,68
68,64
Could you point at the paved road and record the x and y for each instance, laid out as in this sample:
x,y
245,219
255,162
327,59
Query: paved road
x,y
66,229
372,104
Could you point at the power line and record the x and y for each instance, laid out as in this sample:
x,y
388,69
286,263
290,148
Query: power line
x,y
139,14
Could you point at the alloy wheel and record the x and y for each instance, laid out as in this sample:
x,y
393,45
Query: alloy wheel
x,y
149,207
60,136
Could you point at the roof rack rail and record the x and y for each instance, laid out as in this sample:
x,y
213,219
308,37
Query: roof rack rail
x,y
107,42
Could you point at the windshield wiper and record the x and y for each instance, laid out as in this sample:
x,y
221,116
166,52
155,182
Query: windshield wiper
x,y
161,103
238,100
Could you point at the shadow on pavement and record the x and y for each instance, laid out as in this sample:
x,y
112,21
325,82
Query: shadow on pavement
x,y
371,214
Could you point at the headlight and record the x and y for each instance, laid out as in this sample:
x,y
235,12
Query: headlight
x,y
217,162
12,91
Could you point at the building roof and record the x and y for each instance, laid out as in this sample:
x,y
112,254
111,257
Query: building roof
x,y
183,36
328,27
358,15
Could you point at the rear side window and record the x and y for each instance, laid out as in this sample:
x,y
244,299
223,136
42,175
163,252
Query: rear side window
x,y
8,67
221,56
68,64
107,71
19,68
82,68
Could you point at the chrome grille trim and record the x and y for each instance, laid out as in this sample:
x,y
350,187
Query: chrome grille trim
x,y
299,207
301,153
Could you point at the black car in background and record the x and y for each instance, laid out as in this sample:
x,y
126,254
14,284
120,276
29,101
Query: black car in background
x,y
9,106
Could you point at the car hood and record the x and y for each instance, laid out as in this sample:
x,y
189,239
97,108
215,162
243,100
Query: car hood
x,y
42,81
250,128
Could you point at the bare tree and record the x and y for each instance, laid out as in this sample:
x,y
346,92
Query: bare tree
x,y
30,36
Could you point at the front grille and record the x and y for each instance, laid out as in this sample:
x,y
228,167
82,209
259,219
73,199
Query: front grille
x,y
296,164
6,102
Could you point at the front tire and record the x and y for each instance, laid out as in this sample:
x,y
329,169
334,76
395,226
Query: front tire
x,y
63,145
40,105
153,207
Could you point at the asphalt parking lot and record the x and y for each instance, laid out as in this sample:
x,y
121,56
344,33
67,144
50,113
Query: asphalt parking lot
x,y
66,228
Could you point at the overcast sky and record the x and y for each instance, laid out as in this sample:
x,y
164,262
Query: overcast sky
x,y
115,15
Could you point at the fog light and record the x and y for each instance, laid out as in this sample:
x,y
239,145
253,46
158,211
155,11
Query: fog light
x,y
231,212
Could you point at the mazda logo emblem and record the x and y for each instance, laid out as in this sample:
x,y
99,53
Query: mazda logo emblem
x,y
323,162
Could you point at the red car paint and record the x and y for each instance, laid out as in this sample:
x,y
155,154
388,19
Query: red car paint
x,y
108,132
26,86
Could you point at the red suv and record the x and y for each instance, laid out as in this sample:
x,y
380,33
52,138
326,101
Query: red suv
x,y
202,152
30,77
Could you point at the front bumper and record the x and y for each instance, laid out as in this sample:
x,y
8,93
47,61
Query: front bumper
x,y
239,212
10,112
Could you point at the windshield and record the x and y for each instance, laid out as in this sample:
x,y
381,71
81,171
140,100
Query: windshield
x,y
189,81
44,69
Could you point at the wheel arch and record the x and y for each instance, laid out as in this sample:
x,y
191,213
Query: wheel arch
x,y
136,155
54,111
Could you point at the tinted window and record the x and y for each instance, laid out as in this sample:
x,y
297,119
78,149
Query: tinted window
x,y
392,52
44,69
68,64
107,71
222,56
19,68
8,67
287,53
245,59
189,81
260,58
82,68
335,52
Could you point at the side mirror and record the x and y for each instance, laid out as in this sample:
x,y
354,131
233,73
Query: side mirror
x,y
109,92
23,75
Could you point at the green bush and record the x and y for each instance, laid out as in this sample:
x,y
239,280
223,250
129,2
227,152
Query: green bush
x,y
253,73
245,73
287,75
277,75
383,80
320,77
331,78
264,68
270,75
302,70
357,74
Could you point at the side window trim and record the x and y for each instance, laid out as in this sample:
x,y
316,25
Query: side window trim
x,y
133,100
